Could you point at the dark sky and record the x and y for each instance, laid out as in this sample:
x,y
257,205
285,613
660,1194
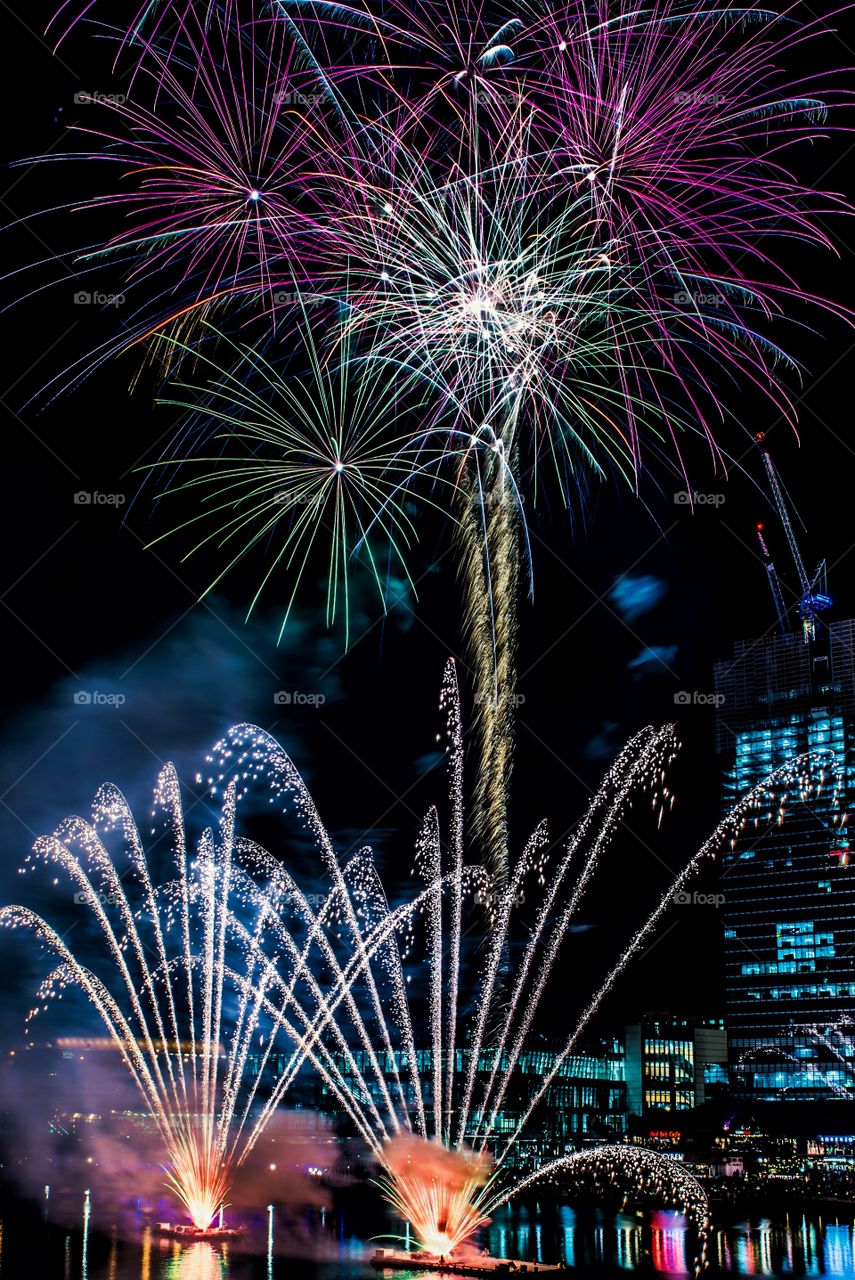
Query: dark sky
x,y
86,607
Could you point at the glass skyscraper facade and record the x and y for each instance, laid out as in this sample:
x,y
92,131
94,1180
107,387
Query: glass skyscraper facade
x,y
789,886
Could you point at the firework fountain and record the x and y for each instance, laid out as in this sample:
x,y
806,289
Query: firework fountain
x,y
549,233
396,1004
480,248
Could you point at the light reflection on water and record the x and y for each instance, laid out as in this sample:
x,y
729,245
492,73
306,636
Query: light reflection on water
x,y
592,1243
198,1261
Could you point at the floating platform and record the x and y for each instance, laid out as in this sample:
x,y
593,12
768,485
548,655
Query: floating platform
x,y
473,1265
180,1231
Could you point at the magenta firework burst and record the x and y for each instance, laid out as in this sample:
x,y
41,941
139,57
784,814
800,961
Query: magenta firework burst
x,y
641,160
552,235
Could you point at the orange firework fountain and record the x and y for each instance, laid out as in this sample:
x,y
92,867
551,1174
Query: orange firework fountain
x,y
437,1190
200,1179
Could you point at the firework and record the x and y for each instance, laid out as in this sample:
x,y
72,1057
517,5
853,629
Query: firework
x,y
498,301
232,951
172,963
310,465
558,230
210,149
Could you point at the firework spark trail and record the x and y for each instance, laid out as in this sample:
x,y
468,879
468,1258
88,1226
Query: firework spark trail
x,y
309,1047
197,1122
431,1184
246,928
793,772
254,749
843,1056
168,1105
835,1038
210,147
507,212
637,1167
552,232
449,703
304,461
498,299
649,772
376,944
488,567
638,763
301,970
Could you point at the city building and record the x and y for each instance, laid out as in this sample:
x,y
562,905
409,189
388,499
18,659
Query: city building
x,y
789,883
673,1064
586,1101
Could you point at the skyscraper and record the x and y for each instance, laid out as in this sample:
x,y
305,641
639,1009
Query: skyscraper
x,y
789,909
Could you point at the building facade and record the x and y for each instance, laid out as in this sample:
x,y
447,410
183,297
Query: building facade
x,y
586,1101
674,1064
789,884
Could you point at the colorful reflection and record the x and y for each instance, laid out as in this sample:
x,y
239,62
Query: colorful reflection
x,y
199,1261
792,1245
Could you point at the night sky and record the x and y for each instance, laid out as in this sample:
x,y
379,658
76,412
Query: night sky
x,y
635,597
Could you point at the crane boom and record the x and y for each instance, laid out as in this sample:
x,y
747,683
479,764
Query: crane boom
x,y
774,582
814,597
784,517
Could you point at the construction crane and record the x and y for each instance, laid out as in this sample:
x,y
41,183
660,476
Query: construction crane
x,y
774,581
814,598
